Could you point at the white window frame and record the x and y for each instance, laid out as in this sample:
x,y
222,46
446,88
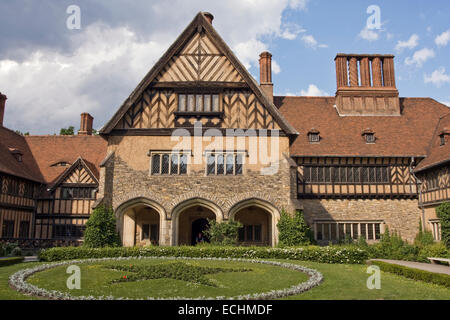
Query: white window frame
x,y
161,153
321,224
225,154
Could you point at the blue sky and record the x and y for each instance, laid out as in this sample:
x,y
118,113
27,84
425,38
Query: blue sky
x,y
52,74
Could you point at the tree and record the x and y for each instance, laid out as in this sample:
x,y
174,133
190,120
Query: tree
x,y
443,213
67,131
101,229
293,231
223,233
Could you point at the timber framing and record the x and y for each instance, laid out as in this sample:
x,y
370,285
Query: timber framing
x,y
199,23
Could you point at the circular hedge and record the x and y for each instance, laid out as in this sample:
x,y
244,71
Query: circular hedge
x,y
18,280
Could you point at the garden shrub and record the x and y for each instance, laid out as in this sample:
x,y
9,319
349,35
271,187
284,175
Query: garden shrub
x,y
101,229
443,213
223,233
10,261
338,255
416,274
423,238
16,252
293,231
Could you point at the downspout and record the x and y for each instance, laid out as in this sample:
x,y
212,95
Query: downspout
x,y
419,183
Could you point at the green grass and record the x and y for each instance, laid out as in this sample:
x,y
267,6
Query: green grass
x,y
97,280
345,282
348,282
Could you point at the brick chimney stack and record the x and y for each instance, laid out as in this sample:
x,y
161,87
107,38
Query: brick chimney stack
x,y
265,74
3,99
208,17
366,85
86,125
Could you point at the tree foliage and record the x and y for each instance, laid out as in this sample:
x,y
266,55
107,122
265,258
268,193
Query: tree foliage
x,y
101,229
223,233
443,213
67,131
293,230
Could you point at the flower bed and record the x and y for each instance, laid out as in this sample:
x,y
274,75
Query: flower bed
x,y
347,255
18,280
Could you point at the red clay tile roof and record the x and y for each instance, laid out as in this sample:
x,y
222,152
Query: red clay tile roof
x,y
437,154
26,169
49,150
406,135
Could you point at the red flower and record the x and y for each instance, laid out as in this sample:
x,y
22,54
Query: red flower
x,y
124,277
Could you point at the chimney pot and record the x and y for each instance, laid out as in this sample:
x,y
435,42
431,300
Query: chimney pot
x,y
265,74
3,99
208,17
86,125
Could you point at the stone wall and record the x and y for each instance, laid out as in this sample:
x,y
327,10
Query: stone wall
x,y
401,216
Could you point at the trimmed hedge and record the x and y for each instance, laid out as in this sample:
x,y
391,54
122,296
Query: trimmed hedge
x,y
415,274
335,255
10,261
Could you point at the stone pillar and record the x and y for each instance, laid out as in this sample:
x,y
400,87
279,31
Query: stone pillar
x,y
376,72
265,74
129,228
3,99
353,66
365,72
86,125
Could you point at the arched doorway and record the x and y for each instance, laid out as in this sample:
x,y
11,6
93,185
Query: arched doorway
x,y
190,218
259,220
199,227
140,222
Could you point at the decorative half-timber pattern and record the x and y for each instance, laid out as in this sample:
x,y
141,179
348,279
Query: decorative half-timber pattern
x,y
199,60
16,207
355,178
436,185
157,110
80,175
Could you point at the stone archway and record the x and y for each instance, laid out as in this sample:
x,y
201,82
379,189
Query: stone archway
x,y
141,221
184,215
259,219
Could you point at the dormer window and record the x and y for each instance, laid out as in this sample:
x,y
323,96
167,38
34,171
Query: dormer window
x,y
198,103
16,154
314,136
61,164
369,136
442,136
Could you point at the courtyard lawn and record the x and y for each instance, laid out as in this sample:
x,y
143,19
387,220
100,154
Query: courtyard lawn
x,y
340,282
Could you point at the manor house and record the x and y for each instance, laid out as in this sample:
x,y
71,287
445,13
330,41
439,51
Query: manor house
x,y
199,138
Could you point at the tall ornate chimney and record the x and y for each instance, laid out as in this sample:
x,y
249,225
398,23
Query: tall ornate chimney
x,y
265,74
3,99
366,85
86,125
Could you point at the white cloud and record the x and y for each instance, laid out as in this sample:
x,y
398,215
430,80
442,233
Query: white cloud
x,y
411,43
368,34
438,77
298,4
420,57
313,91
311,42
443,39
106,63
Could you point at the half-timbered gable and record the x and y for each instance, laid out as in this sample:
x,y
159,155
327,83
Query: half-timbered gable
x,y
434,175
198,79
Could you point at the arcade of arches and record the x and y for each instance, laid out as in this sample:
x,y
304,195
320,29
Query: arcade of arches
x,y
142,222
